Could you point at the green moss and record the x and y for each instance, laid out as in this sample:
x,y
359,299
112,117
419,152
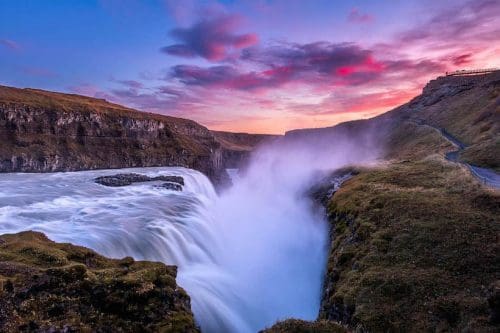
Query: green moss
x,y
45,285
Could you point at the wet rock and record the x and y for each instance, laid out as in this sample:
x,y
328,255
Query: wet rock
x,y
170,186
124,179
494,302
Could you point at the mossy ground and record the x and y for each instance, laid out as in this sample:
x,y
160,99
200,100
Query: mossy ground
x,y
415,248
47,286
302,326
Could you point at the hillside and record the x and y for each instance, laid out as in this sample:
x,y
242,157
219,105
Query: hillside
x,y
466,107
44,131
414,241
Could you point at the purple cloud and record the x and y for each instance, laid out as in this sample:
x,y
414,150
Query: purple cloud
x,y
355,16
477,20
318,57
212,39
131,83
10,44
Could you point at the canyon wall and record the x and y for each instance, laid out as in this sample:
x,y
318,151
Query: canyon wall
x,y
42,131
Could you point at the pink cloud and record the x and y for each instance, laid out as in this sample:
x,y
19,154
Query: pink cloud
x,y
355,16
286,80
462,59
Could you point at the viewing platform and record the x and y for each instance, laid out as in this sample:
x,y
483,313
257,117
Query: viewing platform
x,y
465,72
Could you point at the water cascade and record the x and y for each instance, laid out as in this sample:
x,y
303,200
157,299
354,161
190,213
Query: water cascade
x,y
247,258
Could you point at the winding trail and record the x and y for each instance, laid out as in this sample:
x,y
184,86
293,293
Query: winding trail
x,y
487,176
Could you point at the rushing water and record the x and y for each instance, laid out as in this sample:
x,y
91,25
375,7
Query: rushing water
x,y
247,258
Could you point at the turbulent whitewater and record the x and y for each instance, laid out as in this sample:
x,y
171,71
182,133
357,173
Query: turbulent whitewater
x,y
246,261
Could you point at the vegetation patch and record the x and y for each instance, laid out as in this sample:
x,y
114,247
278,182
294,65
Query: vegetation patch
x,y
415,248
54,287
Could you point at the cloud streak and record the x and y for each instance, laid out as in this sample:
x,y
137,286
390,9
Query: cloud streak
x,y
10,44
356,16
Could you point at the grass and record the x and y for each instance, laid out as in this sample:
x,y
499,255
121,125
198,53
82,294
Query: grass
x,y
414,242
71,102
415,248
472,116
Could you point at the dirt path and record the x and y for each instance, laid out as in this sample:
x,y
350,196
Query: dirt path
x,y
486,176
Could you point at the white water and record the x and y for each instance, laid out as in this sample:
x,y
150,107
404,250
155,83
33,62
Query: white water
x,y
247,258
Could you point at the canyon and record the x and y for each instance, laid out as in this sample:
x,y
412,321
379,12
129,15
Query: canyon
x,y
411,234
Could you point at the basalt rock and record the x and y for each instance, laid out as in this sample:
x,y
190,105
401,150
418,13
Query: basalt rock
x,y
170,186
124,179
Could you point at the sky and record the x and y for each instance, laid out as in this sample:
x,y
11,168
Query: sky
x,y
257,66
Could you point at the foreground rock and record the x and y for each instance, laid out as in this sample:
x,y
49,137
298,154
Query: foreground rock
x,y
53,287
124,179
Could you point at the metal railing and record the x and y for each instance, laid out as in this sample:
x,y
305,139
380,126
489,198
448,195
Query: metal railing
x,y
472,71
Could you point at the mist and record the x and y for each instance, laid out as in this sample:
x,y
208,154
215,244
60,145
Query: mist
x,y
273,238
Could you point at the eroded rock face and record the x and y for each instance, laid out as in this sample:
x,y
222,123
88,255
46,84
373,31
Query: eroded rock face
x,y
45,132
53,287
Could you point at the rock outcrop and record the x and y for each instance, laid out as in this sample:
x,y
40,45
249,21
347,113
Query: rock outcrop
x,y
124,179
54,287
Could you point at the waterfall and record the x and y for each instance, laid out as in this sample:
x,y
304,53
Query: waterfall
x,y
246,259
249,257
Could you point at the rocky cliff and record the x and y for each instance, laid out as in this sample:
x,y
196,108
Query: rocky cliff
x,y
43,131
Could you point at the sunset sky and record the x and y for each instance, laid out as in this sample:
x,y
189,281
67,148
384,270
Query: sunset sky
x,y
252,66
